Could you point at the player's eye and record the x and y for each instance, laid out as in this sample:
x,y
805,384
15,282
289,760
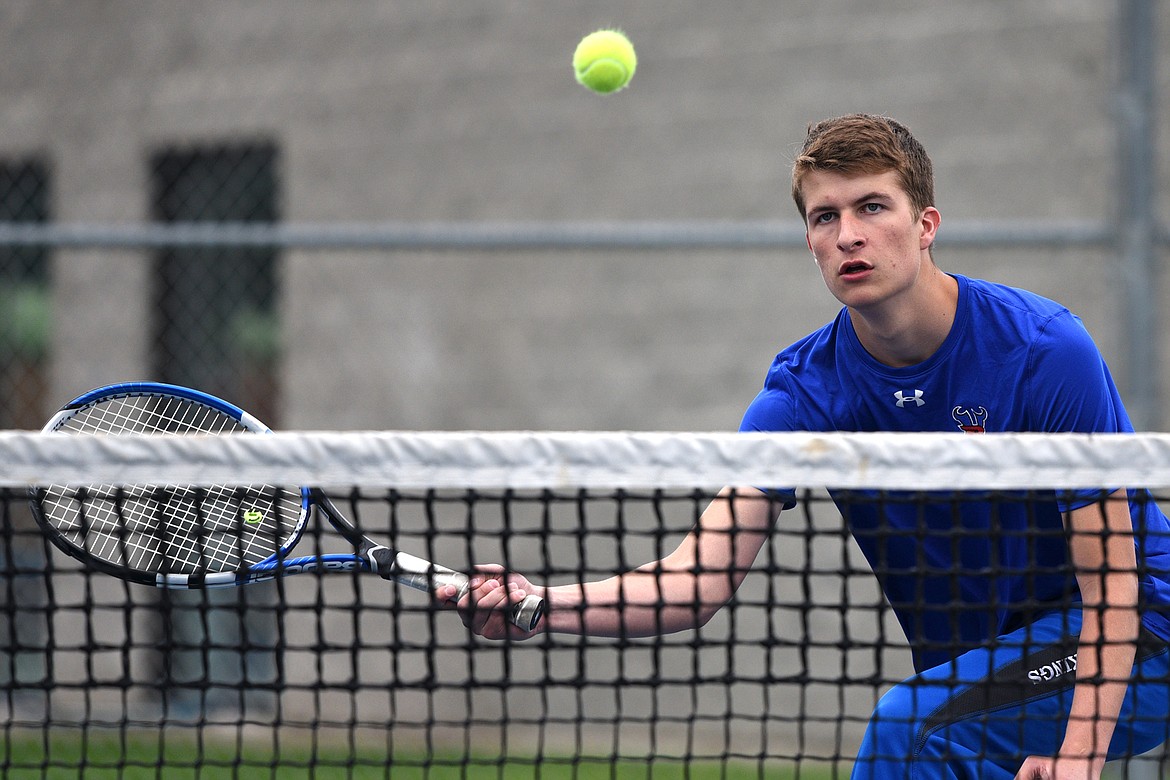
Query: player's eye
x,y
824,218
872,208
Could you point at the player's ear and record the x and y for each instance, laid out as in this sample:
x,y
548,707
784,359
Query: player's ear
x,y
928,223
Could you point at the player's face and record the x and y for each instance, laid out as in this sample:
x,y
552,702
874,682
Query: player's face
x,y
869,242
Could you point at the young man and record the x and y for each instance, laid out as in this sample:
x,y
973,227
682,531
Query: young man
x,y
1040,640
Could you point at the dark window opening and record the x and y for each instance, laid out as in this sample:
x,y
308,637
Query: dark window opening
x,y
216,324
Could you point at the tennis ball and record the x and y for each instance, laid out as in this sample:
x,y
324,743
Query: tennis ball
x,y
605,61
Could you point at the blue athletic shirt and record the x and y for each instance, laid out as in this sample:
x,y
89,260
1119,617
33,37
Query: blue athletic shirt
x,y
1013,361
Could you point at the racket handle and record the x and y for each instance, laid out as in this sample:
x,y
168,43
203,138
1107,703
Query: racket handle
x,y
421,574
527,613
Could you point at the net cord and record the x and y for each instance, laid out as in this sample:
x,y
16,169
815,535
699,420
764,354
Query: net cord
x,y
602,460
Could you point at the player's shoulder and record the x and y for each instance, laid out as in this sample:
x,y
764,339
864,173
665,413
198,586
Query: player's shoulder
x,y
992,302
800,380
1012,315
995,296
1004,300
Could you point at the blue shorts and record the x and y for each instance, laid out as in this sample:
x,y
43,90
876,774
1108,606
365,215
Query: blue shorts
x,y
982,714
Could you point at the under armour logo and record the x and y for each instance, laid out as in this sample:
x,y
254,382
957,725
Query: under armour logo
x,y
903,398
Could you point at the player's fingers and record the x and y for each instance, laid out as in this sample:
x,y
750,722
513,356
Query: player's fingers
x,y
446,596
1034,768
484,605
482,572
494,610
515,594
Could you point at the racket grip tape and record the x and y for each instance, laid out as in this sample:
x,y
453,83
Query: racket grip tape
x,y
421,574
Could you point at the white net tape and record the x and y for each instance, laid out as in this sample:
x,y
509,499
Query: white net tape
x,y
527,460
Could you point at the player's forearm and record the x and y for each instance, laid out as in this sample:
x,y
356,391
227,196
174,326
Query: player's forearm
x,y
1105,658
635,604
682,590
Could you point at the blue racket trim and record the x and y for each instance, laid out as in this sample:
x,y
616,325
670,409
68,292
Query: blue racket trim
x,y
266,570
162,388
307,563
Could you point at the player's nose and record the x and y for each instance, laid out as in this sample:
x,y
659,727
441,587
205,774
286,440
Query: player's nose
x,y
849,234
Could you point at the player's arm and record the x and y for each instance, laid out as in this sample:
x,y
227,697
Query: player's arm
x,y
680,591
1102,548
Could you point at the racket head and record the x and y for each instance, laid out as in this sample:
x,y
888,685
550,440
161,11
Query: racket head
x,y
177,536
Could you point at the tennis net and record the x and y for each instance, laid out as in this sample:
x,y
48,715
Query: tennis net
x,y
347,675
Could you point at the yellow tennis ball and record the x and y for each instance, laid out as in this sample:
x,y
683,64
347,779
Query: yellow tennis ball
x,y
605,61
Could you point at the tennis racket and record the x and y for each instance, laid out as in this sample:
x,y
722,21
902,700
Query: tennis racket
x,y
187,537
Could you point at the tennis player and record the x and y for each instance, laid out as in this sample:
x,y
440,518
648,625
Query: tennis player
x,y
1040,634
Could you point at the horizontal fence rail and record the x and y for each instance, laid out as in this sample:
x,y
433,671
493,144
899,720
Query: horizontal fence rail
x,y
521,235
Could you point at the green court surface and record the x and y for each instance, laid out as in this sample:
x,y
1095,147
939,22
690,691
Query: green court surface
x,y
102,754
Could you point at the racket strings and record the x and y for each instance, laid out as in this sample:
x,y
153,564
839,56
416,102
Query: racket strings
x,y
149,527
147,415
170,528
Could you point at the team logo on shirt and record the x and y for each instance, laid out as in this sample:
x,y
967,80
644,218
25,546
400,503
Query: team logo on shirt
x,y
970,420
901,399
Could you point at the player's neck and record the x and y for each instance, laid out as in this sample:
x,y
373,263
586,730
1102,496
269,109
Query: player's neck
x,y
910,327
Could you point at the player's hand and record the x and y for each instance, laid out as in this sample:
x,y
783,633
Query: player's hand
x,y
1060,768
484,608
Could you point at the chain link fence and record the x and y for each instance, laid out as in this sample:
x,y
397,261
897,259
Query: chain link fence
x,y
212,309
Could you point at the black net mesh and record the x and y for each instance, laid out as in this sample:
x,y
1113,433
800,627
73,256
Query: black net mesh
x,y
345,674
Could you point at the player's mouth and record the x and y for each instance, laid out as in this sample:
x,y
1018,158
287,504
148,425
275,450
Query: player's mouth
x,y
854,269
